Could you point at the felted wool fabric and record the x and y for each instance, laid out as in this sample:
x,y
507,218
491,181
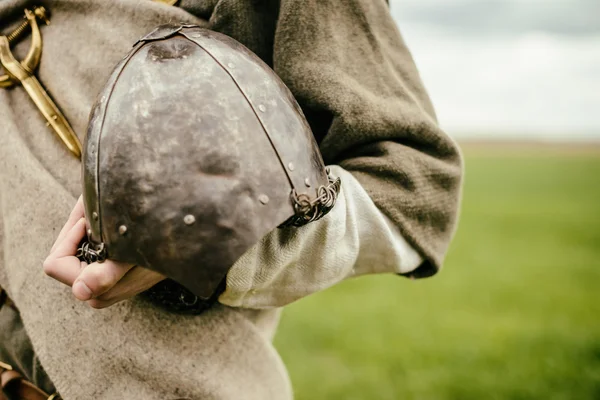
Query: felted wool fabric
x,y
132,350
355,80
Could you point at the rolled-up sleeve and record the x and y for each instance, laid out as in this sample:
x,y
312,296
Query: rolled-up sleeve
x,y
354,239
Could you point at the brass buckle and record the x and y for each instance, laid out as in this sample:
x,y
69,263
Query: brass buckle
x,y
34,55
23,73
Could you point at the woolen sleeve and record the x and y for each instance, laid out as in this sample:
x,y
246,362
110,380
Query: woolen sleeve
x,y
353,239
355,79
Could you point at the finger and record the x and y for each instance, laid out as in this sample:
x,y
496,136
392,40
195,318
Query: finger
x,y
65,270
76,214
136,281
70,243
97,278
62,265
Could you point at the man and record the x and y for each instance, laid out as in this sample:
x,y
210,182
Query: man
x,y
355,80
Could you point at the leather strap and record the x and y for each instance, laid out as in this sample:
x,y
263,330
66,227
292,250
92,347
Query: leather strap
x,y
13,385
16,387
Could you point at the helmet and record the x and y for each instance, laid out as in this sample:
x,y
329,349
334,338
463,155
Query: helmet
x,y
195,149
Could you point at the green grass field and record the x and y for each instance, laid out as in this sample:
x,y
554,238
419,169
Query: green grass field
x,y
515,314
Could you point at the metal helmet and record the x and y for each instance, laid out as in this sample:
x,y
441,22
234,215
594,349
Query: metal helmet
x,y
195,149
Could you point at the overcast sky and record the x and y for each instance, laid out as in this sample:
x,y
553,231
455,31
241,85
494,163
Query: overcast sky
x,y
512,68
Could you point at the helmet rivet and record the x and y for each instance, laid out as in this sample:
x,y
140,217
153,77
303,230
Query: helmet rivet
x,y
307,182
263,198
122,230
189,219
291,166
89,232
95,216
262,108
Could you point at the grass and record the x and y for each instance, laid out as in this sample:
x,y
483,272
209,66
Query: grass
x,y
515,314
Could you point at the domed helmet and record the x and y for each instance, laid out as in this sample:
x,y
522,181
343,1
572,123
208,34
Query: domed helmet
x,y
195,149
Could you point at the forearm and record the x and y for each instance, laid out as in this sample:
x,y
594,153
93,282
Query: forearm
x,y
372,116
355,238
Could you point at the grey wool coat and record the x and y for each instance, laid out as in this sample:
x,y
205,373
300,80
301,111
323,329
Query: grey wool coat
x,y
349,69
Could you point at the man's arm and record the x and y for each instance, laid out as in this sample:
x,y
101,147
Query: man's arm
x,y
401,175
355,79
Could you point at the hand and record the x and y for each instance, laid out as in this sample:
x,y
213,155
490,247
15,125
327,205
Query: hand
x,y
99,284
